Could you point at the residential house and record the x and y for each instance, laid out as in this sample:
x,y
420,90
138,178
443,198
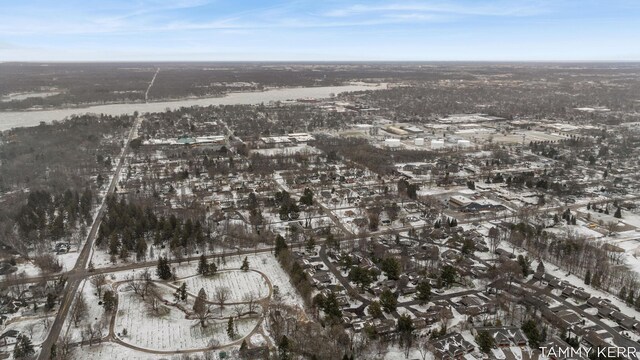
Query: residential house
x,y
452,346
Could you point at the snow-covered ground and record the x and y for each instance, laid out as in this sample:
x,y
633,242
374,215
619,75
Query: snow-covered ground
x,y
268,265
110,351
172,330
95,312
36,327
240,284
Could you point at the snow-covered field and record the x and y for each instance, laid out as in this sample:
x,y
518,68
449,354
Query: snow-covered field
x,y
240,284
110,351
172,331
268,265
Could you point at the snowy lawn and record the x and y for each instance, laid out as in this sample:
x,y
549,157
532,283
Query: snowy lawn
x,y
110,351
267,264
172,331
95,312
240,284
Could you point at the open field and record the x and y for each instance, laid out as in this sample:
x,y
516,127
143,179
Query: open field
x,y
239,283
171,331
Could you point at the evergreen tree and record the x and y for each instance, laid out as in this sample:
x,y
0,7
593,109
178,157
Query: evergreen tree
x,y
203,266
114,244
595,280
468,246
243,347
51,301
283,348
530,329
375,310
423,292
213,268
485,342
331,307
310,245
524,263
361,276
108,300
231,329
388,301
618,213
391,268
623,293
163,270
245,264
23,348
200,307
587,277
307,197
141,248
448,275
281,244
181,293
405,324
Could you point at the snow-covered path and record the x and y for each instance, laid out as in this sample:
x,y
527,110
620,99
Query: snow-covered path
x,y
146,94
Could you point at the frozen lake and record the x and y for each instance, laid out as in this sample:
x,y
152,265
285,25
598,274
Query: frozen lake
x,y
13,119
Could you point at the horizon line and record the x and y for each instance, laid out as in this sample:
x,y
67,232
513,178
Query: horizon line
x,y
319,61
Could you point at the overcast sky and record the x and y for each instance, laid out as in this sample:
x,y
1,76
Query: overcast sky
x,y
319,30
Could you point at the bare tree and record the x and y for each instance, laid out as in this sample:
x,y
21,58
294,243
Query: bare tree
x,y
443,317
221,296
423,348
92,332
17,290
99,281
138,288
238,309
494,239
79,310
510,270
30,327
250,298
153,299
63,347
142,286
48,263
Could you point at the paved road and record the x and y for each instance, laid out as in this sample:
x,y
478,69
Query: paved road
x,y
76,276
